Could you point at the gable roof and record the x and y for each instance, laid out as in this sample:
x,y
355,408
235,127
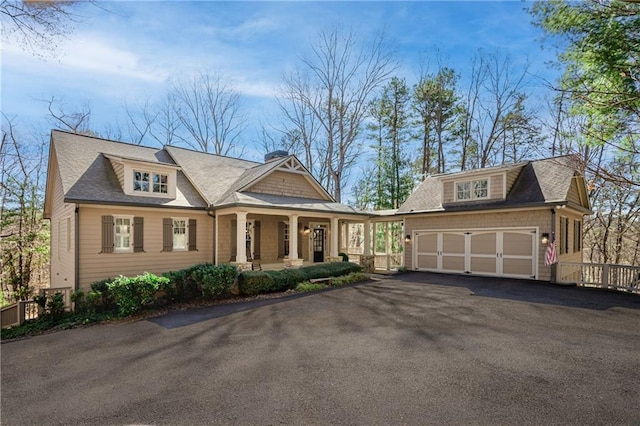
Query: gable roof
x,y
203,180
87,175
540,182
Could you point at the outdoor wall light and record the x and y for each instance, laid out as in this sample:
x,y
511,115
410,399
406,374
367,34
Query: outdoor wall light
x,y
545,238
306,230
407,239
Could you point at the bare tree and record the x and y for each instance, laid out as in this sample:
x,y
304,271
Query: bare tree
x,y
38,25
139,122
76,122
334,84
209,109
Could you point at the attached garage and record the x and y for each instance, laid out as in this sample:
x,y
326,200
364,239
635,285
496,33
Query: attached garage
x,y
508,252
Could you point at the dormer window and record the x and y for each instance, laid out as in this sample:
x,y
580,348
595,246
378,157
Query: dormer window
x,y
472,190
142,182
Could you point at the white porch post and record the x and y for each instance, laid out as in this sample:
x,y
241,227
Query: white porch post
x,y
241,237
387,244
215,240
334,237
293,236
367,238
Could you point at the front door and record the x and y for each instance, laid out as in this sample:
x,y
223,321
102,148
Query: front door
x,y
318,245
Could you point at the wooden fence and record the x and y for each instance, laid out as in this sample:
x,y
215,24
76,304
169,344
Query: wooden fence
x,y
25,310
601,275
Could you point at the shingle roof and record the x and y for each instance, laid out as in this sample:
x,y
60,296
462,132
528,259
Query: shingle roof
x,y
203,179
539,182
212,174
87,175
290,203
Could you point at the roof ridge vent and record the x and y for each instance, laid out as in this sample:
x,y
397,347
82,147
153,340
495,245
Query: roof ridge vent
x,y
274,155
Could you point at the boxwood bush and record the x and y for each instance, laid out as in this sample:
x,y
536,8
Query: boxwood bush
x,y
256,282
135,293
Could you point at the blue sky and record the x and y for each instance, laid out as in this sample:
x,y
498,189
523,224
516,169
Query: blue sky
x,y
129,51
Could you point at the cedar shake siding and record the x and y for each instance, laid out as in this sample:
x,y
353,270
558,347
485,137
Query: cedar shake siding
x,y
287,184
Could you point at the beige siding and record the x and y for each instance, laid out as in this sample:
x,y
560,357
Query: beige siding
x,y
570,256
95,266
512,175
118,168
496,187
62,235
288,184
447,192
484,220
574,196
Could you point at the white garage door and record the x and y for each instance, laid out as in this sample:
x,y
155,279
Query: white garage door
x,y
510,252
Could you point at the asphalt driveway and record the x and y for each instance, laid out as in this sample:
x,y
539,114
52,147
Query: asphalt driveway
x,y
418,349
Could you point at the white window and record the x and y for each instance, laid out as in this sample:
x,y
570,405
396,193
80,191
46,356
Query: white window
x,y
156,183
180,235
160,183
472,190
123,234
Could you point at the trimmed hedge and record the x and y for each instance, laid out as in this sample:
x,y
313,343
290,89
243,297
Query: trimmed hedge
x,y
251,283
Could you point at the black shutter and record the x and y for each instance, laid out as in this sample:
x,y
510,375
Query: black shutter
x,y
281,248
256,240
107,234
234,240
167,234
138,234
192,235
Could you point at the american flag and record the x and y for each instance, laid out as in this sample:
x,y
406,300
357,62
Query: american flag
x,y
551,256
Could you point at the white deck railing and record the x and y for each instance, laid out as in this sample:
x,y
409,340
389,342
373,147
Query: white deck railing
x,y
602,275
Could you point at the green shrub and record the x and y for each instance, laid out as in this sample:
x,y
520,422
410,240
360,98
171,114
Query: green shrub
x,y
309,286
102,299
52,305
287,279
215,280
184,287
251,283
136,293
354,277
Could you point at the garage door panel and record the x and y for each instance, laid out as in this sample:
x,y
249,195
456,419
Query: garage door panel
x,y
483,243
453,263
453,243
427,243
522,267
517,244
426,261
483,265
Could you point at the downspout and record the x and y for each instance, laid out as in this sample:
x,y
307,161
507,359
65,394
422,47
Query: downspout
x,y
76,242
212,215
554,267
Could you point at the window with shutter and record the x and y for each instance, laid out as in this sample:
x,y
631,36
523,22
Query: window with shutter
x,y
107,234
138,234
192,235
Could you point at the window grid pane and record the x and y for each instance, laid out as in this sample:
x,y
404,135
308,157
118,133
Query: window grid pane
x,y
160,183
464,190
122,237
480,189
141,181
179,234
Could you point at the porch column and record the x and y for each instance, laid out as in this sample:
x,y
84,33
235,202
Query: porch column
x,y
367,238
293,236
334,237
241,237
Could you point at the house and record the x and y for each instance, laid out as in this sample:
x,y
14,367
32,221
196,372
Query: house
x,y
117,208
497,221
